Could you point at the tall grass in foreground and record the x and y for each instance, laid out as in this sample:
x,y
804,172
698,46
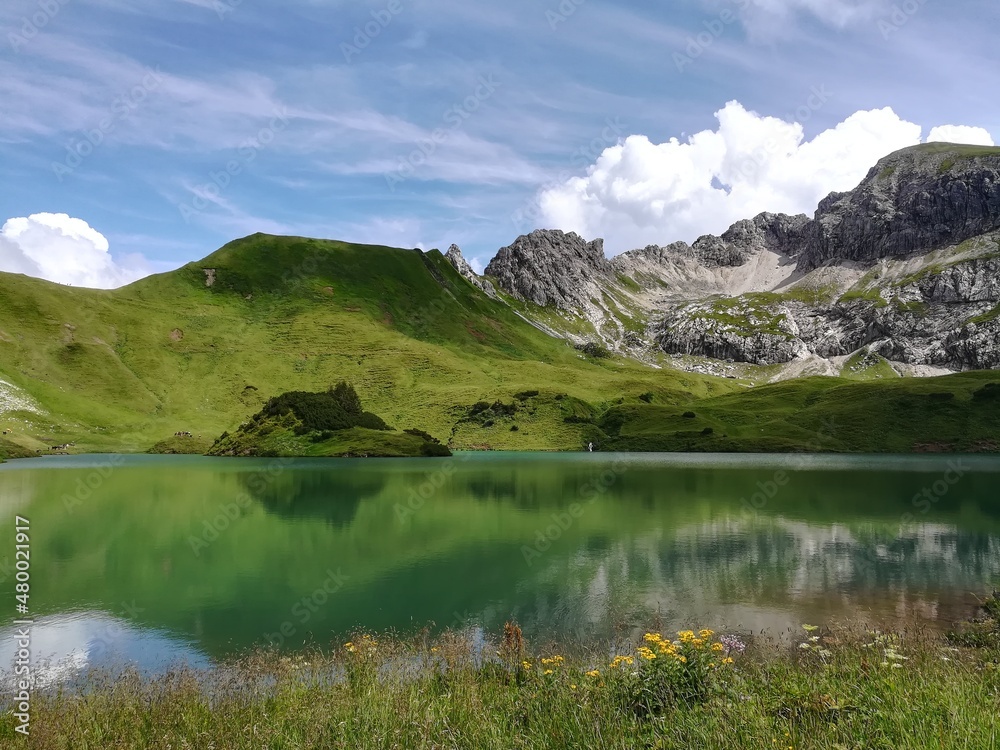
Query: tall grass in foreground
x,y
693,689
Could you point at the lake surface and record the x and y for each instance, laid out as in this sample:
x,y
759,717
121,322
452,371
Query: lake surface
x,y
155,559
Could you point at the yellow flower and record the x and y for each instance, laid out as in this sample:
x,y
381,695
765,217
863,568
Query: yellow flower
x,y
698,642
653,638
706,633
682,659
526,664
572,687
727,660
553,660
434,649
686,636
619,660
718,647
594,673
350,647
646,653
547,671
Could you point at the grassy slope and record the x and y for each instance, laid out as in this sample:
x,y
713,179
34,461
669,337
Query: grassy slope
x,y
821,414
126,369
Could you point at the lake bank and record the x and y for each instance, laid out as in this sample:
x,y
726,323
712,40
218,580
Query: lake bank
x,y
829,689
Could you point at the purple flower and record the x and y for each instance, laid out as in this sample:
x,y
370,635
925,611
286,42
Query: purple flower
x,y
733,644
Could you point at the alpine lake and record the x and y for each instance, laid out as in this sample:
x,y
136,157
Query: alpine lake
x,y
153,561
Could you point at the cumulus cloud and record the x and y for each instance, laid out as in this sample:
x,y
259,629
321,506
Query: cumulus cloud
x,y
640,193
961,134
60,248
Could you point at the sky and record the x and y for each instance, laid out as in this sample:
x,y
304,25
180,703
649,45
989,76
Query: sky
x,y
139,135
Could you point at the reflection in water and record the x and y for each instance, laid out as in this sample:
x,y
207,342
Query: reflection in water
x,y
494,537
65,646
309,493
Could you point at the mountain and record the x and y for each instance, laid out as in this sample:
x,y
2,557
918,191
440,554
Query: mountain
x,y
518,359
202,348
904,268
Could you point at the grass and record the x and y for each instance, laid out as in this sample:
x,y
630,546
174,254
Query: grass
x,y
866,365
828,689
125,370
818,414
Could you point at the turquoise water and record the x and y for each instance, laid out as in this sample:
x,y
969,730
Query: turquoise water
x,y
151,559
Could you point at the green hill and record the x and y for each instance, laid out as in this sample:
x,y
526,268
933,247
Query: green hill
x,y
203,348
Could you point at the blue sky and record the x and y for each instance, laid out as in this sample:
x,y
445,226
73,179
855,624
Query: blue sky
x,y
431,122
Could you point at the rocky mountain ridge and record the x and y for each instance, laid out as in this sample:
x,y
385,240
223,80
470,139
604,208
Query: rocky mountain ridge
x,y
905,266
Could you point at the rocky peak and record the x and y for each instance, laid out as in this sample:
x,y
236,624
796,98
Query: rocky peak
x,y
455,257
915,200
550,267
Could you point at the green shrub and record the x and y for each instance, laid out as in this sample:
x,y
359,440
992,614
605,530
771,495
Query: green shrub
x,y
647,397
525,395
594,350
689,415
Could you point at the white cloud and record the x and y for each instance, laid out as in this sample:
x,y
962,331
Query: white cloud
x,y
640,193
60,248
961,134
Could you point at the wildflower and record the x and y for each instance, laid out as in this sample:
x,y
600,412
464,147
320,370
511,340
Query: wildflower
x,y
717,647
552,661
646,653
732,643
572,687
810,628
697,642
619,660
526,665
547,671
728,660
706,633
682,659
350,647
686,636
434,649
594,673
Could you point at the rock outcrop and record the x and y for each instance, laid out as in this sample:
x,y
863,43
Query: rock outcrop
x,y
906,265
455,257
549,267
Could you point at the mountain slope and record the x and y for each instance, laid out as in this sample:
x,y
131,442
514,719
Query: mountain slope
x,y
202,348
906,266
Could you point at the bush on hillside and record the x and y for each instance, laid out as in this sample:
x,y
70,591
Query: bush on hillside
x,y
338,408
